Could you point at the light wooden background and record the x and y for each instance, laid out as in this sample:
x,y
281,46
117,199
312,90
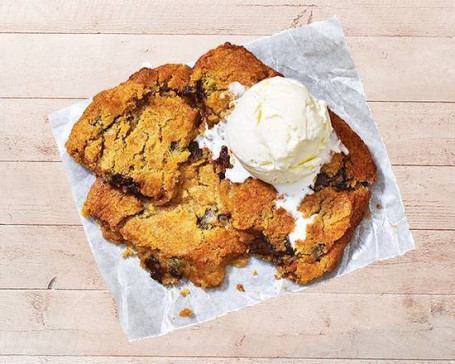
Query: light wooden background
x,y
54,306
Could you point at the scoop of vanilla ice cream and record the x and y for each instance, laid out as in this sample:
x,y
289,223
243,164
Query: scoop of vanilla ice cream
x,y
279,131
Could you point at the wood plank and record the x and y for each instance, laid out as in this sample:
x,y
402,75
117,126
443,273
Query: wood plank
x,y
38,193
417,133
20,359
41,257
403,69
360,18
323,326
427,130
58,257
427,194
78,66
26,133
82,65
327,324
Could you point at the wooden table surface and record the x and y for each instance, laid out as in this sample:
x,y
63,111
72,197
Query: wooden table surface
x,y
54,305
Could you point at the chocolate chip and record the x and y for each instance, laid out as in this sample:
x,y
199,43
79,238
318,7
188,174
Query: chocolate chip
x,y
222,175
187,90
125,183
116,180
154,266
133,189
318,251
340,181
322,181
173,145
120,181
175,268
200,92
204,221
260,246
288,246
195,152
224,159
174,272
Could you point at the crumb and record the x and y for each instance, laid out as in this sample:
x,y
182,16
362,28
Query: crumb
x,y
184,292
186,312
379,206
285,287
395,226
240,287
277,277
368,216
128,252
254,273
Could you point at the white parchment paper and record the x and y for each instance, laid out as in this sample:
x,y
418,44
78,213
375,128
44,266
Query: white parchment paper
x,y
316,55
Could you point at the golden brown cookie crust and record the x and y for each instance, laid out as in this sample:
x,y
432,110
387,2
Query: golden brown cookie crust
x,y
338,205
360,165
190,237
304,268
217,69
137,134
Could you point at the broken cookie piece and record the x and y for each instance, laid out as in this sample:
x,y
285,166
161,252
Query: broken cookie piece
x,y
137,134
218,72
327,238
336,208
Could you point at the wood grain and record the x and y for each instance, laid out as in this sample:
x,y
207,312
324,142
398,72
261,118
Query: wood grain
x,y
20,359
31,139
417,133
59,257
40,257
313,325
359,18
38,193
54,306
427,131
78,66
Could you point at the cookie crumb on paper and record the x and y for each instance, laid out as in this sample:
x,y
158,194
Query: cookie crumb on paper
x,y
128,252
184,292
186,312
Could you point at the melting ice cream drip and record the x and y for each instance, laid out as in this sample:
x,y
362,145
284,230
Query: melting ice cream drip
x,y
236,89
214,139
